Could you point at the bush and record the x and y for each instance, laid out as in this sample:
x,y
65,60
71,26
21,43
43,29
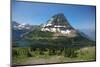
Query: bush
x,y
69,52
22,52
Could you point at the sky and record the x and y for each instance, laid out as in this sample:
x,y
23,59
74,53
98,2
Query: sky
x,y
80,17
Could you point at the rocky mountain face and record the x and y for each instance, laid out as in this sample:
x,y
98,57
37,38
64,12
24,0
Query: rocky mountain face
x,y
60,26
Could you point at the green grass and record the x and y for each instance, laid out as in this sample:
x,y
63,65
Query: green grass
x,y
24,55
87,53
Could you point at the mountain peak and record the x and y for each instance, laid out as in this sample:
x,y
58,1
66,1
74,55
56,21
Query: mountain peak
x,y
59,14
59,23
58,19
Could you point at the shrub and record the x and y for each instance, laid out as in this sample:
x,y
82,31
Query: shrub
x,y
69,52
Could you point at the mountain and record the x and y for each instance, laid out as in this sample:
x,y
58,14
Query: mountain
x,y
19,30
60,26
14,23
89,33
21,26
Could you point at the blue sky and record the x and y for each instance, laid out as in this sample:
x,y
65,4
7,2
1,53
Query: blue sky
x,y
80,17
